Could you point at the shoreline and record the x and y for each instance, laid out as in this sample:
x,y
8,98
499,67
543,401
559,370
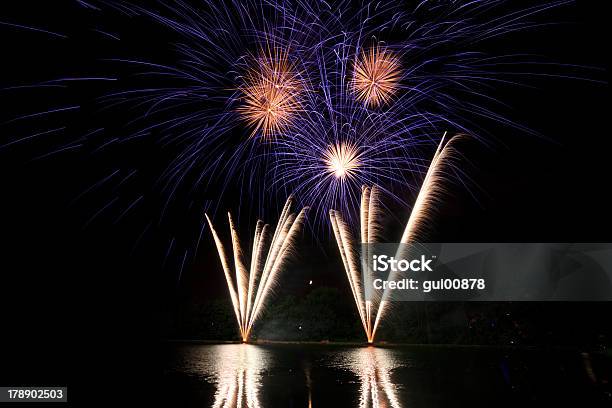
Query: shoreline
x,y
382,344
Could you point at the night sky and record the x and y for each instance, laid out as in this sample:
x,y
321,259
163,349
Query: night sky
x,y
78,292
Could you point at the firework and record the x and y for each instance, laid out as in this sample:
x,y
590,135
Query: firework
x,y
350,259
376,76
341,160
250,286
271,93
372,310
339,147
428,199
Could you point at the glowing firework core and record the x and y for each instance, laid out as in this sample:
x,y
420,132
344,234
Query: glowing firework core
x,y
376,77
270,93
342,160
252,285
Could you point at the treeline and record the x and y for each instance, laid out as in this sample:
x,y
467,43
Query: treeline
x,y
324,314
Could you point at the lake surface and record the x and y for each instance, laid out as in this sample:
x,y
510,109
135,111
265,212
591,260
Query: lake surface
x,y
296,375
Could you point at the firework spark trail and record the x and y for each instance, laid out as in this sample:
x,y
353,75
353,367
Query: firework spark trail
x,y
294,223
226,271
430,191
240,269
258,279
372,310
346,252
426,202
260,234
279,235
353,268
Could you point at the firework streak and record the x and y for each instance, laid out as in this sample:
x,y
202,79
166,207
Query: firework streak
x,y
372,311
253,285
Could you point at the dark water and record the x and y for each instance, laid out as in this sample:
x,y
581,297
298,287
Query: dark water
x,y
242,375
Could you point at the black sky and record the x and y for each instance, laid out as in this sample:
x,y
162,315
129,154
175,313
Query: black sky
x,y
76,296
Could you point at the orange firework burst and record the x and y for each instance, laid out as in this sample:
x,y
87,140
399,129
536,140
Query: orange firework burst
x,y
376,76
270,93
342,160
